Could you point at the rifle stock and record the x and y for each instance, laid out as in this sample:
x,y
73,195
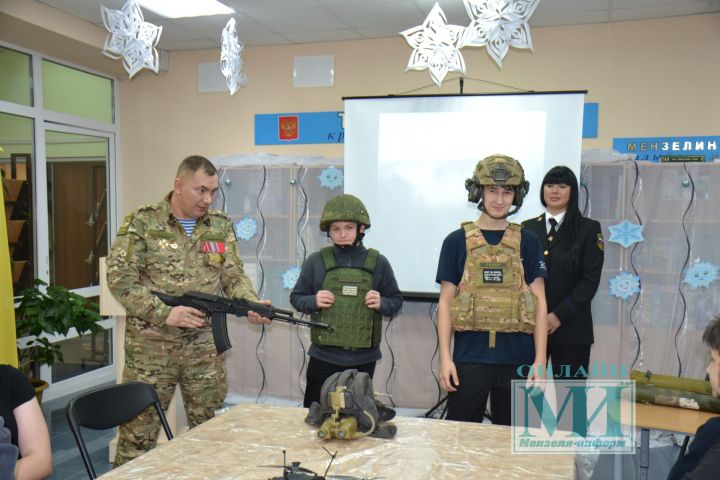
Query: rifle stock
x,y
217,308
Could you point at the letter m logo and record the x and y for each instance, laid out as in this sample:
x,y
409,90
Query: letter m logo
x,y
565,416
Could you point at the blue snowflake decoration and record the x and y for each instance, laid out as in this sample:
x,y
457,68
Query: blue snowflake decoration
x,y
624,285
290,277
702,274
626,233
331,178
246,228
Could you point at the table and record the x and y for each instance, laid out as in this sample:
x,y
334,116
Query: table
x,y
660,417
236,445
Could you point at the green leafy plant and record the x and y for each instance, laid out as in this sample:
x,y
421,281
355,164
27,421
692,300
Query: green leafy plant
x,y
50,310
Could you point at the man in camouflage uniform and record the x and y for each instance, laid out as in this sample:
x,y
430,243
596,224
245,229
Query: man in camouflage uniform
x,y
175,246
351,288
492,298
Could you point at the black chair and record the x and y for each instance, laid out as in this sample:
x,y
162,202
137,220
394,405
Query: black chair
x,y
108,407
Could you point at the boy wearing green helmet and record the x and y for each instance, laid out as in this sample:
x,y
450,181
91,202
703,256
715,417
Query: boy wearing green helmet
x,y
349,287
492,298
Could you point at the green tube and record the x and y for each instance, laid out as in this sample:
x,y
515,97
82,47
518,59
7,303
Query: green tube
x,y
668,381
676,398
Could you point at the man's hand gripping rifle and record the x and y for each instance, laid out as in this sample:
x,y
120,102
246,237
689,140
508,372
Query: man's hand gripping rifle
x,y
217,308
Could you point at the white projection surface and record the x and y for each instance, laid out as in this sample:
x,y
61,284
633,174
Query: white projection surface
x,y
407,159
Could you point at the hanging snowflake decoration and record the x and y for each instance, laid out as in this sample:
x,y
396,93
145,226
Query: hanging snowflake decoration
x,y
331,178
231,62
435,46
290,277
624,285
498,25
626,233
131,38
701,274
246,228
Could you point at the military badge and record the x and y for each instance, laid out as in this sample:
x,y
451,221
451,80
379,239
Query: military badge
x,y
165,243
600,242
215,258
212,247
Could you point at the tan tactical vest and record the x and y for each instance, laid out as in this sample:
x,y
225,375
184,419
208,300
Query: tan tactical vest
x,y
492,295
355,325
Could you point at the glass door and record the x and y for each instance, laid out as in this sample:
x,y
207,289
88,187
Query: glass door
x,y
78,165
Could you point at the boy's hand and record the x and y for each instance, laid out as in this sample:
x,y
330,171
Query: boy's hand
x,y
324,299
448,376
372,300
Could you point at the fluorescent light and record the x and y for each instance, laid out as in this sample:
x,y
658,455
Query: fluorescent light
x,y
186,8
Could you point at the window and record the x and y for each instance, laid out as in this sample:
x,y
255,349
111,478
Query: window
x,y
15,77
71,91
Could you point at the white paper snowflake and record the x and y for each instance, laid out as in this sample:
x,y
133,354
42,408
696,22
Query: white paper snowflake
x,y
701,274
131,38
331,178
246,228
498,25
290,277
231,62
435,46
624,285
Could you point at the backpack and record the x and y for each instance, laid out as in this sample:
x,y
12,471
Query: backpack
x,y
348,408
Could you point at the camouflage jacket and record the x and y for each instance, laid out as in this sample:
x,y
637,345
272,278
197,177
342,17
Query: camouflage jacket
x,y
152,252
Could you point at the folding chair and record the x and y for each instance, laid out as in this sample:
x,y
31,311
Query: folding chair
x,y
108,407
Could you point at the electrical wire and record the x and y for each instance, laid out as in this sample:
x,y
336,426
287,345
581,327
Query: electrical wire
x,y
258,252
429,85
634,269
392,364
685,264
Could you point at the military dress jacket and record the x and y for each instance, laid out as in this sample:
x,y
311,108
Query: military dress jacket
x,y
152,252
569,294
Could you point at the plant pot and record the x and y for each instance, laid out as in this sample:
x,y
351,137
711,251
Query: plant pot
x,y
15,228
13,189
18,267
40,386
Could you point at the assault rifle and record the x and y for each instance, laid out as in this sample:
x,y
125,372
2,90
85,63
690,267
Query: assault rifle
x,y
218,307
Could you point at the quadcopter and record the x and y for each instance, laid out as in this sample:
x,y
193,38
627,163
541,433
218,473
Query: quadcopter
x,y
294,471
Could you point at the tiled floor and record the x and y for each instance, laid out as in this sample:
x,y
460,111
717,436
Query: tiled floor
x,y
67,464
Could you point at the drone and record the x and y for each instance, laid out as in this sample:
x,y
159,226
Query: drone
x,y
294,471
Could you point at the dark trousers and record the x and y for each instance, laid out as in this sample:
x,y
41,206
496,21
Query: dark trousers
x,y
566,362
477,381
319,371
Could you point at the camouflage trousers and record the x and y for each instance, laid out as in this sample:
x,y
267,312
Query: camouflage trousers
x,y
191,362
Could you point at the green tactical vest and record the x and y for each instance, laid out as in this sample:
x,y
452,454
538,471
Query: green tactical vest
x,y
356,325
492,295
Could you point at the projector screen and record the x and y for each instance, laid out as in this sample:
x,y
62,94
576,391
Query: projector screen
x,y
407,159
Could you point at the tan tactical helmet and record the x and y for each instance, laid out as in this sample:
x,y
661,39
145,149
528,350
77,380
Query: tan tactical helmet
x,y
499,170
344,208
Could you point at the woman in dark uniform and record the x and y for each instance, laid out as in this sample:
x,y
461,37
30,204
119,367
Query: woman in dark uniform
x,y
574,252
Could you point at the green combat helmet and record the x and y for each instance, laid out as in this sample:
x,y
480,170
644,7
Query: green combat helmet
x,y
498,170
344,208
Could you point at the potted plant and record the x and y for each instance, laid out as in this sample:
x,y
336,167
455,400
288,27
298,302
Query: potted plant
x,y
49,310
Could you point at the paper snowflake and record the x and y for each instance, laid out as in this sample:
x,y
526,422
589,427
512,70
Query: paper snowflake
x,y
626,233
246,228
290,277
498,24
331,178
435,46
701,274
231,62
624,285
131,38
